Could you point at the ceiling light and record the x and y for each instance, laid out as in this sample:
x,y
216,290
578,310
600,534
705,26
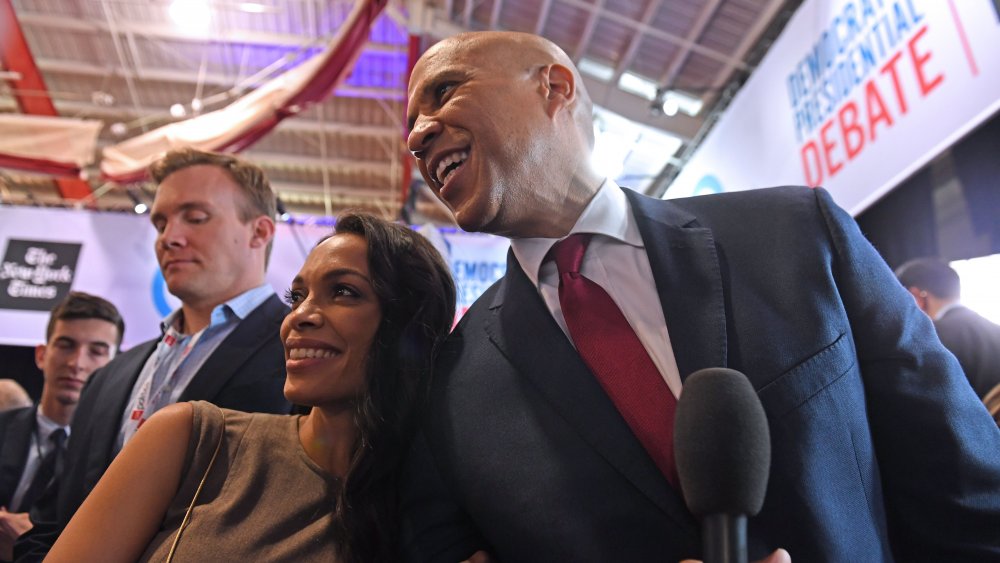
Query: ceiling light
x,y
670,107
670,102
638,85
178,111
118,129
140,208
596,69
196,105
192,14
253,7
101,98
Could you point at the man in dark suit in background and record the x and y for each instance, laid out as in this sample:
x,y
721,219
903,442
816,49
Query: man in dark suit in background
x,y
82,335
214,218
536,447
975,341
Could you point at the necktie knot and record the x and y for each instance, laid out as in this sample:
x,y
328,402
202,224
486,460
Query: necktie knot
x,y
50,465
568,253
58,437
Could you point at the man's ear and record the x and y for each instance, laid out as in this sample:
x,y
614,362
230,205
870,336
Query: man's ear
x,y
263,231
559,86
920,296
40,356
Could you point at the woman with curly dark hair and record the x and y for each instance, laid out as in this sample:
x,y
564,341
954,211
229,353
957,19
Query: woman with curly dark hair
x,y
369,310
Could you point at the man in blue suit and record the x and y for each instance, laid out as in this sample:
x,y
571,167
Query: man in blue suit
x,y
214,218
880,451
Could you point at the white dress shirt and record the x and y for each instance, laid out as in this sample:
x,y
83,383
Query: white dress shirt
x,y
190,354
616,260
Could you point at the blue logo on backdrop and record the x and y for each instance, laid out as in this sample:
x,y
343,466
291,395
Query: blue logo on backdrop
x,y
708,184
159,291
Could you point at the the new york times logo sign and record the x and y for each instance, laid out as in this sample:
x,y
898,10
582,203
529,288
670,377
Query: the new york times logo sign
x,y
36,275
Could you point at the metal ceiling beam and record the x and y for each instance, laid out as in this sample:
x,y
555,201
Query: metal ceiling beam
x,y
495,13
588,30
750,38
543,16
338,165
598,10
15,55
183,77
700,23
669,172
296,125
313,196
120,51
467,15
187,77
638,109
336,190
162,31
432,21
607,95
652,7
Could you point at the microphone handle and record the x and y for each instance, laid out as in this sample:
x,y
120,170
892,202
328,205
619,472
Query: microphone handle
x,y
724,538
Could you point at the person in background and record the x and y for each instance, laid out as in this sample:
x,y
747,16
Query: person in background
x,y
370,308
547,436
974,340
214,221
83,334
13,396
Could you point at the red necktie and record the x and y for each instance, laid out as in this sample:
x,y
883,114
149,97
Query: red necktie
x,y
613,352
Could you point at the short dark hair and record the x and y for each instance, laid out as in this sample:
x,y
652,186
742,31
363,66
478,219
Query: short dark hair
x,y
417,298
931,275
79,305
259,198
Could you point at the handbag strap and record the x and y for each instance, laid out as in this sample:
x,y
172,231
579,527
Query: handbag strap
x,y
187,513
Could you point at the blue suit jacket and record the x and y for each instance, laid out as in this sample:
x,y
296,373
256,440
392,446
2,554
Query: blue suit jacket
x,y
880,448
246,372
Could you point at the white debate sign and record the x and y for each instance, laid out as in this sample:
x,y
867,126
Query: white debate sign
x,y
47,252
855,95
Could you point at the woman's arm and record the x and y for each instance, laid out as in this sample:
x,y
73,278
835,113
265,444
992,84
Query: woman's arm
x,y
124,511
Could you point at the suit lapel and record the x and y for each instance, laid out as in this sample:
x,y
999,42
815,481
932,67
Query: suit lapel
x,y
116,383
688,279
261,324
525,332
14,454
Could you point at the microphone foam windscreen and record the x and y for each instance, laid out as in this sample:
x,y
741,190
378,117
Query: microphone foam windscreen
x,y
721,444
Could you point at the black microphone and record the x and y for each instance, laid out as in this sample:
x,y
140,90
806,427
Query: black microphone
x,y
723,453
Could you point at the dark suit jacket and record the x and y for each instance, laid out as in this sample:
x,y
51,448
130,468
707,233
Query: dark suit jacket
x,y
880,448
246,372
16,428
975,341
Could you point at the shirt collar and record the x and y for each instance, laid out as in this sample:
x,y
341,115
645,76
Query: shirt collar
x,y
944,310
46,425
608,214
239,306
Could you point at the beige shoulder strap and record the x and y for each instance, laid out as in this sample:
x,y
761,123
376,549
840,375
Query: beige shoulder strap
x,y
187,513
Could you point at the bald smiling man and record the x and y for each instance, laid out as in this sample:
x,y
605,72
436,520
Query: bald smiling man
x,y
529,452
